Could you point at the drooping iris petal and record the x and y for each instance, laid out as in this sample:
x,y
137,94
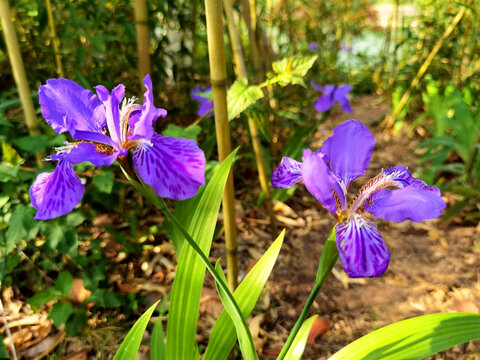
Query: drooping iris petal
x,y
416,202
288,173
63,101
142,126
173,167
324,103
204,108
349,150
362,251
340,95
112,112
96,154
56,194
317,179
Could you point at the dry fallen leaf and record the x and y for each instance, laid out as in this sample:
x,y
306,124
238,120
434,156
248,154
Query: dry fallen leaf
x,y
78,293
319,327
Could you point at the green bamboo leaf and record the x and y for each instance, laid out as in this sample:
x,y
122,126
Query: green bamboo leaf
x,y
240,96
157,344
247,347
187,287
223,336
129,347
298,345
414,338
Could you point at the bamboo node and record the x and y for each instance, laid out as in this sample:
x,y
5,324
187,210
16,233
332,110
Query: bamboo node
x,y
218,83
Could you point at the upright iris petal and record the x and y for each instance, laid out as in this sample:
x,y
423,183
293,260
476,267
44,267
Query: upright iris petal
x,y
112,112
315,166
328,173
349,150
63,101
142,126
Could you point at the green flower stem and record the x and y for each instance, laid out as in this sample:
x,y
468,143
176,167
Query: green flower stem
x,y
327,262
149,194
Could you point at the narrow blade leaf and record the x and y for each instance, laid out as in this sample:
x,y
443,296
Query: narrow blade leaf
x,y
414,338
247,347
129,347
298,345
223,335
187,287
157,344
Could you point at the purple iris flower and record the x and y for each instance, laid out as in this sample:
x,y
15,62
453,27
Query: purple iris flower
x,y
327,175
106,129
332,93
347,48
313,46
204,97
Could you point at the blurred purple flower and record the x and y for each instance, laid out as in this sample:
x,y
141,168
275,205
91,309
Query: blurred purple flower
x,y
347,48
313,46
332,93
328,173
107,128
204,97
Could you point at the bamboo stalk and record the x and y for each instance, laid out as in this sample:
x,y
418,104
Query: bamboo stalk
x,y
54,39
238,61
259,73
390,120
19,75
141,26
257,63
218,76
241,72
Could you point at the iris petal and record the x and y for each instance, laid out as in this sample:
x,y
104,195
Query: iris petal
x,y
324,103
362,251
340,95
416,202
112,102
317,179
349,150
316,86
206,104
288,173
88,152
65,105
142,126
173,167
56,194
93,136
